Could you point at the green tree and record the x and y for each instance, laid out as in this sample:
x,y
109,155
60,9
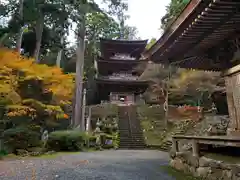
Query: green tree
x,y
173,10
151,42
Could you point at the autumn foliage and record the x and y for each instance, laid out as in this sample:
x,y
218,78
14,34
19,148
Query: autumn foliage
x,y
32,94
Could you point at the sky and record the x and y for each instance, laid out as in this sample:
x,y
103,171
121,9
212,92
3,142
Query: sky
x,y
146,15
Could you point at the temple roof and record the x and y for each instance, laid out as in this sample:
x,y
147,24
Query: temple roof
x,y
110,47
190,40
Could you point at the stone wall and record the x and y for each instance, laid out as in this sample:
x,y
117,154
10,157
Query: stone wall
x,y
210,125
203,167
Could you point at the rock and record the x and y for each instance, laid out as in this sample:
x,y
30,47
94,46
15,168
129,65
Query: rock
x,y
192,170
186,147
50,152
217,174
35,153
234,177
203,172
177,164
207,162
172,154
226,174
234,168
204,162
186,168
188,158
22,152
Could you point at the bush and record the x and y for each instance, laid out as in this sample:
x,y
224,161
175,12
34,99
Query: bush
x,y
66,141
92,141
20,138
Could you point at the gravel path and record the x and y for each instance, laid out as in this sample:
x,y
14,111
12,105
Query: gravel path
x,y
102,165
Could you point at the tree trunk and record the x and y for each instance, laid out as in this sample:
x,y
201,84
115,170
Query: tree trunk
x,y
83,123
88,124
3,38
79,76
73,107
39,31
20,33
59,56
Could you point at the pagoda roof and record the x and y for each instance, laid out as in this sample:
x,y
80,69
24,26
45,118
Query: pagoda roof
x,y
109,85
105,66
110,47
201,27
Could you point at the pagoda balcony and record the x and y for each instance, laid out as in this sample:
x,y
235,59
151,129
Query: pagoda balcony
x,y
113,77
127,80
126,57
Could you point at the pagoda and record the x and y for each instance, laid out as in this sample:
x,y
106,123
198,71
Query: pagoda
x,y
117,77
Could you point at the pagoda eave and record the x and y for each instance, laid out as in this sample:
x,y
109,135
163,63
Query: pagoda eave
x,y
135,67
106,88
111,47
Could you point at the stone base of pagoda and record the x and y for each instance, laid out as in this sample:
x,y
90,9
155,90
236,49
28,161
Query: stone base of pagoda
x,y
232,80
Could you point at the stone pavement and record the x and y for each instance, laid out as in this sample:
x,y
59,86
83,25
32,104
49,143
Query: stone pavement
x,y
101,165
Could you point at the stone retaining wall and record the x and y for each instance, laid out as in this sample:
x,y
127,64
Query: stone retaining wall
x,y
203,167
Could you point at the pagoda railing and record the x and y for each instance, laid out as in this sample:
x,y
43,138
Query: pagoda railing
x,y
122,57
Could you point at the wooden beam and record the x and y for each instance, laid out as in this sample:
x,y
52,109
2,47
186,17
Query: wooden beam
x,y
190,8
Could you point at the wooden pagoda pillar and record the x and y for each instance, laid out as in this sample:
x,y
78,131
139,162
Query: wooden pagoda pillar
x,y
232,80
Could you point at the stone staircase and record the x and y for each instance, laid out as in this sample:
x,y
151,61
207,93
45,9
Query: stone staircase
x,y
179,129
130,130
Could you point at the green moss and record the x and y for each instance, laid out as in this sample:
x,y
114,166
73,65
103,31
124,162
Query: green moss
x,y
178,174
103,110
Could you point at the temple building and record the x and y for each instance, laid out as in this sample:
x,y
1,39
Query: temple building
x,y
117,75
205,36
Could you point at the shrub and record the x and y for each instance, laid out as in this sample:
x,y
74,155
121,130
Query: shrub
x,y
92,141
31,95
20,138
66,141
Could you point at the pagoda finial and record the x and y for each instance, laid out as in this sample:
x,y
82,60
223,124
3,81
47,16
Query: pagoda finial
x,y
122,22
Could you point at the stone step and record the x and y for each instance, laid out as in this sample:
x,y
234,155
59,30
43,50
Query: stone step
x,y
132,140
130,130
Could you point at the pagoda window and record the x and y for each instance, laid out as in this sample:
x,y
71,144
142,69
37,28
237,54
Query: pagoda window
x,y
123,75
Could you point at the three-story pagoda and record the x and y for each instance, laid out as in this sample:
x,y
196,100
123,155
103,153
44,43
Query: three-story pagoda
x,y
117,78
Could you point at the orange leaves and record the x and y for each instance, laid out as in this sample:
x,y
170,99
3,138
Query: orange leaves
x,y
54,80
15,110
65,116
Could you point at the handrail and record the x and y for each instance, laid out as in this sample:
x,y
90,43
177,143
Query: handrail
x,y
129,124
210,140
214,138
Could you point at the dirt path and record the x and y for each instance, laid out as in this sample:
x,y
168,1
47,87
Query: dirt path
x,y
103,165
